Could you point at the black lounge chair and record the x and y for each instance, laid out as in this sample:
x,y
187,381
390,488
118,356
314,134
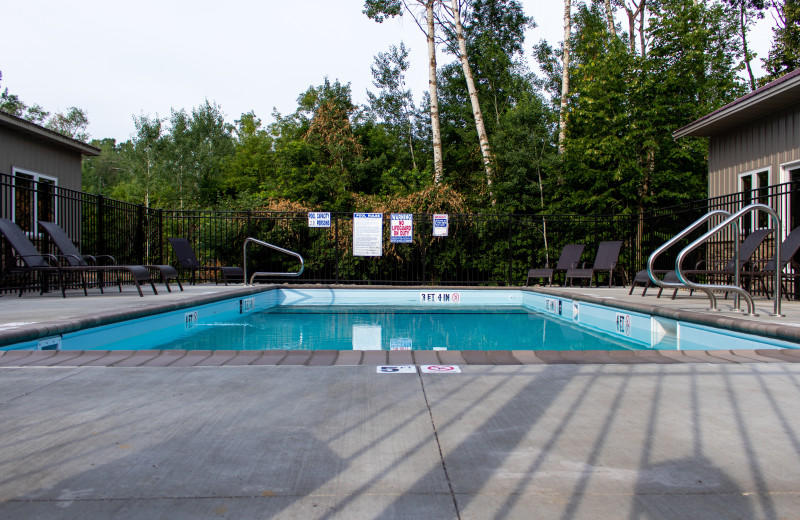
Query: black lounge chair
x,y
643,278
605,261
75,259
188,260
569,259
29,260
747,249
764,269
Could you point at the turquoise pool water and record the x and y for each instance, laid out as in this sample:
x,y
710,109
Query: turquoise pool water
x,y
400,319
382,328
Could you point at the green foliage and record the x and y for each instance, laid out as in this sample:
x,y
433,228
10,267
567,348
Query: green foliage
x,y
784,57
620,155
330,154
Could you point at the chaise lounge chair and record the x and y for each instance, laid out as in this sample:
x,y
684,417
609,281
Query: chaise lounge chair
x,y
29,260
188,260
766,269
75,259
605,261
569,259
747,249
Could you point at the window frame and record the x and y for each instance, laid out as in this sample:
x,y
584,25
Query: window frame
x,y
36,178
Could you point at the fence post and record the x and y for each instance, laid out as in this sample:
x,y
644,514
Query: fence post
x,y
336,245
100,228
508,281
138,243
160,224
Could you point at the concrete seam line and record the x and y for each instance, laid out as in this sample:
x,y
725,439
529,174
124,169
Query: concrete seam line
x,y
439,445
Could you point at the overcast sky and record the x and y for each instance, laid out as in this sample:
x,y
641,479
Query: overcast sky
x,y
116,60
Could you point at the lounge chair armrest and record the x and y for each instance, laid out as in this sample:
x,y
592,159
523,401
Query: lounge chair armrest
x,y
64,259
51,259
700,265
758,265
108,260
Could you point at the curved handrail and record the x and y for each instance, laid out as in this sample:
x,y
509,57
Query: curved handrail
x,y
696,224
733,220
276,248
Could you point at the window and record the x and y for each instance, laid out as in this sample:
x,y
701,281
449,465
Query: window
x,y
34,199
754,187
790,174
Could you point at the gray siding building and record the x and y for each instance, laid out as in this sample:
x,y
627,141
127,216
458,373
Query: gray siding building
x,y
755,144
35,164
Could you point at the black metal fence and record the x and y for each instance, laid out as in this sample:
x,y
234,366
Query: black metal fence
x,y
480,249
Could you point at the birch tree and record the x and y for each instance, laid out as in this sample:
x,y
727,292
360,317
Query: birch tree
x,y
483,138
379,10
562,116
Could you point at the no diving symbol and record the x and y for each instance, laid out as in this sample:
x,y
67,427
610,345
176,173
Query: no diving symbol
x,y
456,297
440,369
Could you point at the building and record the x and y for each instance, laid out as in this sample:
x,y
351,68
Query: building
x,y
35,164
755,145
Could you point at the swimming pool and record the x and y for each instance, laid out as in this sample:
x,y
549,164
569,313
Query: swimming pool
x,y
403,319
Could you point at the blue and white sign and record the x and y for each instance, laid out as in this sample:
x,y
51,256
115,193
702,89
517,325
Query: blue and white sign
x,y
319,220
553,305
397,369
401,344
623,325
441,225
367,234
439,297
402,228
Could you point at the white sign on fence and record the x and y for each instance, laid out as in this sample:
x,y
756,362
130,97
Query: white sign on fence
x,y
367,234
402,227
319,220
441,225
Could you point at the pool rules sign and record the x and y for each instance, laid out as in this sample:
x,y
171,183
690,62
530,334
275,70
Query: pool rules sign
x,y
367,234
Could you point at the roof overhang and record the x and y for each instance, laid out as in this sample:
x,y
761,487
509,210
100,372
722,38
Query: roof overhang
x,y
772,97
26,127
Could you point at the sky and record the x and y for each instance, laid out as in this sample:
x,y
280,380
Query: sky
x,y
117,60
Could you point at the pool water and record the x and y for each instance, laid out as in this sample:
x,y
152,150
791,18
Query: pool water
x,y
384,328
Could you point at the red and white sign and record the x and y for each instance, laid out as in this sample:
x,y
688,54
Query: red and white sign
x,y
440,369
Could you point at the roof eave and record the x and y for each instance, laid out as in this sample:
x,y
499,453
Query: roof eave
x,y
746,109
35,130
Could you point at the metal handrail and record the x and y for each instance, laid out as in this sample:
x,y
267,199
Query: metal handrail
x,y
276,248
733,221
696,224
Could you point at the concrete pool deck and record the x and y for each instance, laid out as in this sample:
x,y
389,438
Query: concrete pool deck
x,y
712,437
33,316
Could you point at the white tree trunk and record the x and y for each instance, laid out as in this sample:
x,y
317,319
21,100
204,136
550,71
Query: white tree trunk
x,y
483,137
438,165
612,30
562,117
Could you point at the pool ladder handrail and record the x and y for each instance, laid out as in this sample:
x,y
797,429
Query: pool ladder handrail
x,y
652,259
276,248
707,288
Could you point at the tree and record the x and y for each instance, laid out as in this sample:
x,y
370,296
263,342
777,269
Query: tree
x,y
749,11
72,124
620,156
252,162
379,10
784,56
477,113
562,115
394,104
316,149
